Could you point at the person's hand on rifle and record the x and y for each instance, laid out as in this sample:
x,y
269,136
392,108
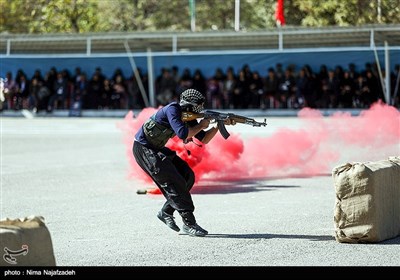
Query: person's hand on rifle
x,y
229,121
204,123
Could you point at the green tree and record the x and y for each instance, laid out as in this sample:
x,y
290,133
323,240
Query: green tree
x,y
15,16
79,16
219,14
49,16
65,16
318,13
125,15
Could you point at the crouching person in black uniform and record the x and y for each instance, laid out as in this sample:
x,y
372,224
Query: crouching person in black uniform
x,y
173,175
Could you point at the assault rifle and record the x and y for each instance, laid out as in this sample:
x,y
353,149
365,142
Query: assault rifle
x,y
220,118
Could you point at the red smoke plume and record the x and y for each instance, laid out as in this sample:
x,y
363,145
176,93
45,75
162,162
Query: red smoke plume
x,y
315,147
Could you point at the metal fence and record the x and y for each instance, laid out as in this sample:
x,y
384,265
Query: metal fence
x,y
280,39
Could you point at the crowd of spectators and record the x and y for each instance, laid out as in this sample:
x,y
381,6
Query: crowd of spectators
x,y
278,87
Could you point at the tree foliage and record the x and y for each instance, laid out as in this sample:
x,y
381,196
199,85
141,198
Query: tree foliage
x,y
347,12
80,16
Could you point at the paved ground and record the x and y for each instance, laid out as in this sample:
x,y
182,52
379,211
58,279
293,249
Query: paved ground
x,y
73,172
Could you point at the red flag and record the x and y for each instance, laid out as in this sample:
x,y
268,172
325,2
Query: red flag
x,y
279,13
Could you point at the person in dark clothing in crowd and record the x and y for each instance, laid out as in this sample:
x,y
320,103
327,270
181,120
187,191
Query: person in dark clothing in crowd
x,y
33,98
172,175
21,96
59,93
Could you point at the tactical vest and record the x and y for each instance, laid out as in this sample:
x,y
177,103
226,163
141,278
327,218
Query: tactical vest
x,y
157,134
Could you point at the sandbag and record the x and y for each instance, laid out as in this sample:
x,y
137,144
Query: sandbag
x,y
26,242
367,205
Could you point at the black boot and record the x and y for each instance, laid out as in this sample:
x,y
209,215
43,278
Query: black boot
x,y
190,226
168,220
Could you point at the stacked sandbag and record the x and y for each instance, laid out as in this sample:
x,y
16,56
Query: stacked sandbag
x,y
367,207
26,242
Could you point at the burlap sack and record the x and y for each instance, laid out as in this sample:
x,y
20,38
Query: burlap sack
x,y
367,207
26,242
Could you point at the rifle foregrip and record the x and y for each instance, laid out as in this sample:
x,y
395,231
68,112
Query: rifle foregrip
x,y
222,129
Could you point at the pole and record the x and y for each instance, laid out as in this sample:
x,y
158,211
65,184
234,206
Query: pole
x,y
387,74
379,71
150,74
396,89
136,72
192,8
379,11
237,15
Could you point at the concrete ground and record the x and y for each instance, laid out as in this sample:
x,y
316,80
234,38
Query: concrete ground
x,y
73,171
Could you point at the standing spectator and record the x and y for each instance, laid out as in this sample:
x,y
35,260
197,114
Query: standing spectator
x,y
311,89
330,91
248,77
38,76
270,90
339,73
228,89
361,93
219,75
80,91
374,88
286,89
77,75
353,74
105,96
93,92
43,95
239,92
145,81
57,99
215,86
322,75
20,73
99,72
33,98
175,74
10,88
166,88
368,67
118,97
256,90
185,81
118,72
51,79
132,87
247,72
346,91
21,96
199,81
70,87
213,93
279,71
301,87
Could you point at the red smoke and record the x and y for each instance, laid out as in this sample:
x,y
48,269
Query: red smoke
x,y
315,147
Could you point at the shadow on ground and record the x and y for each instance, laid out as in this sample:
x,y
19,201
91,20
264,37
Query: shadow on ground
x,y
243,185
269,236
393,241
235,188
